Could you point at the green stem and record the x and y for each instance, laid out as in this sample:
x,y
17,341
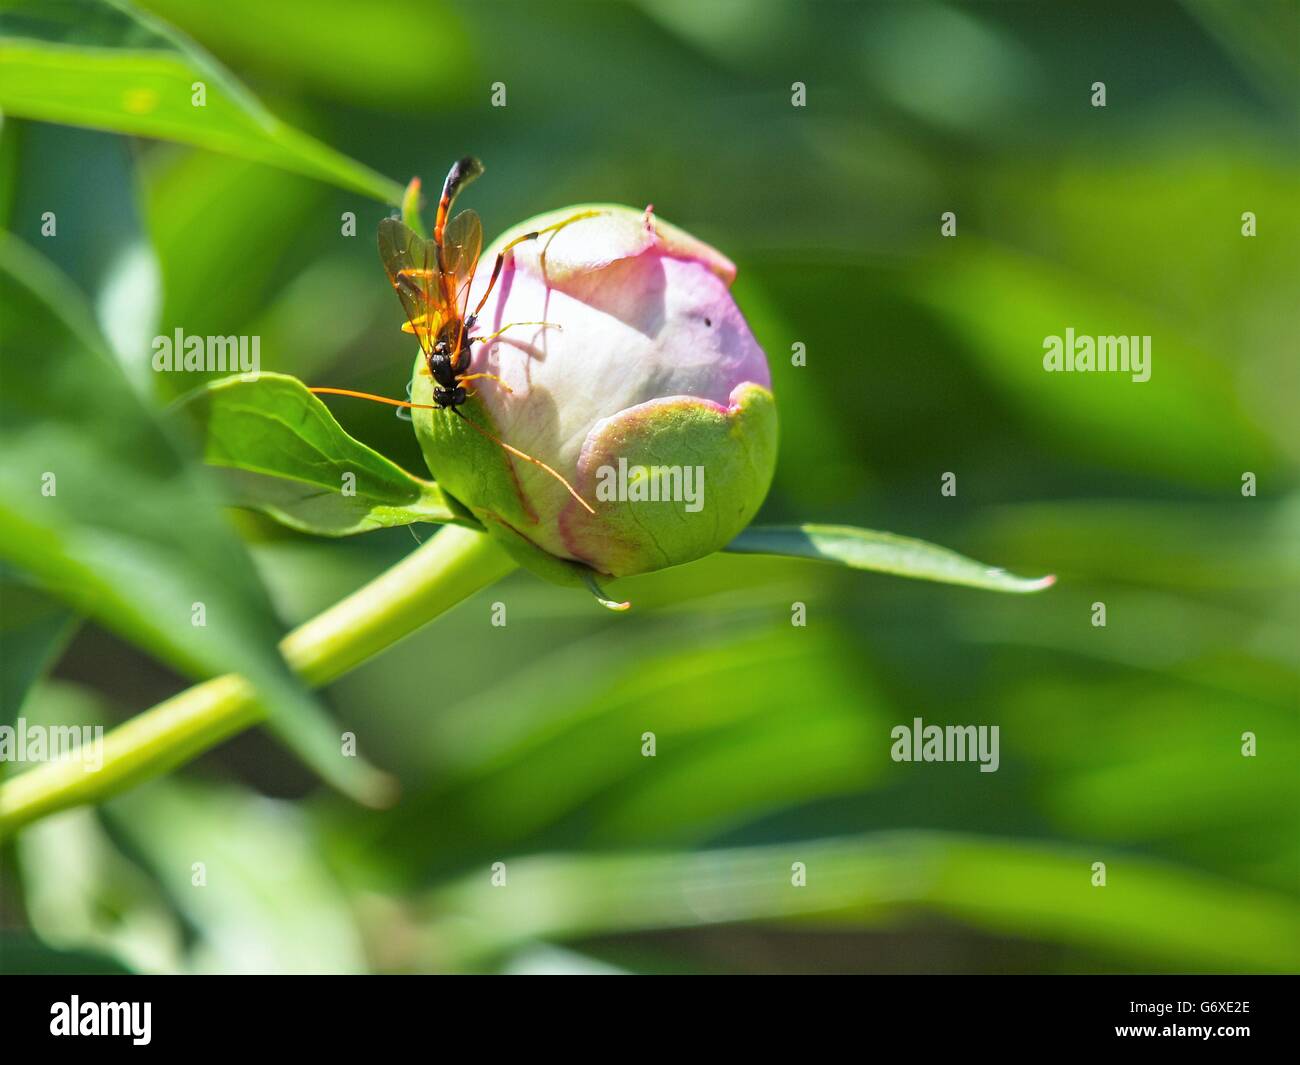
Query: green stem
x,y
449,567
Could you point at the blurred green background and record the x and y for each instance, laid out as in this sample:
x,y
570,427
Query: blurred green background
x,y
1119,744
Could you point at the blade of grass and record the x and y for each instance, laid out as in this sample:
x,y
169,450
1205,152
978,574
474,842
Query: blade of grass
x,y
140,76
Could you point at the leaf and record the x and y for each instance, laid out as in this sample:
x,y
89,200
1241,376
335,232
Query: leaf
x,y
527,754
343,51
281,452
1019,888
105,65
33,629
882,552
25,955
103,248
411,207
99,504
278,908
82,892
237,218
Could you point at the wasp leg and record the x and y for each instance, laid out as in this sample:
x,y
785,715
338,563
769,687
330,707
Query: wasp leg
x,y
489,376
555,227
493,336
419,325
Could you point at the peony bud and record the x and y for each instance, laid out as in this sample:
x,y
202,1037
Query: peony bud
x,y
645,390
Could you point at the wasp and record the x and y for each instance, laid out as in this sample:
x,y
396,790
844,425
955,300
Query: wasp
x,y
433,277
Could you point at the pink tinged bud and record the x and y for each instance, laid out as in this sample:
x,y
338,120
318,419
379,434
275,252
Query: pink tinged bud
x,y
648,393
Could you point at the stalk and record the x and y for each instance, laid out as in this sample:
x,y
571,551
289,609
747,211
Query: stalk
x,y
446,569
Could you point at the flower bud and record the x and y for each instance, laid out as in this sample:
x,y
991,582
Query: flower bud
x,y
644,389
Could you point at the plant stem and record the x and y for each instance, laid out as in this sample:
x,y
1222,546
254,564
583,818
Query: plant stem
x,y
449,567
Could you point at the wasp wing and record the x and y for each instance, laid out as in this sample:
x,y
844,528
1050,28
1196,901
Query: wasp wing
x,y
462,244
412,266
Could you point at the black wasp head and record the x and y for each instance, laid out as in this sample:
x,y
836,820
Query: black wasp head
x,y
449,397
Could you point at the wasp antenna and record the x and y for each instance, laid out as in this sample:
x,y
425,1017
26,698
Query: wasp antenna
x,y
373,398
526,457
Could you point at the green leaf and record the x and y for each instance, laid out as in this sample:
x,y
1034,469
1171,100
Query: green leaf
x,y
99,504
343,51
82,892
105,65
33,629
411,207
1019,888
882,552
281,452
279,908
526,753
236,218
100,242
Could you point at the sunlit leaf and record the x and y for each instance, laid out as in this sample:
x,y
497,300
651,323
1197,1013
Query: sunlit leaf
x,y
882,552
344,50
280,451
103,64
